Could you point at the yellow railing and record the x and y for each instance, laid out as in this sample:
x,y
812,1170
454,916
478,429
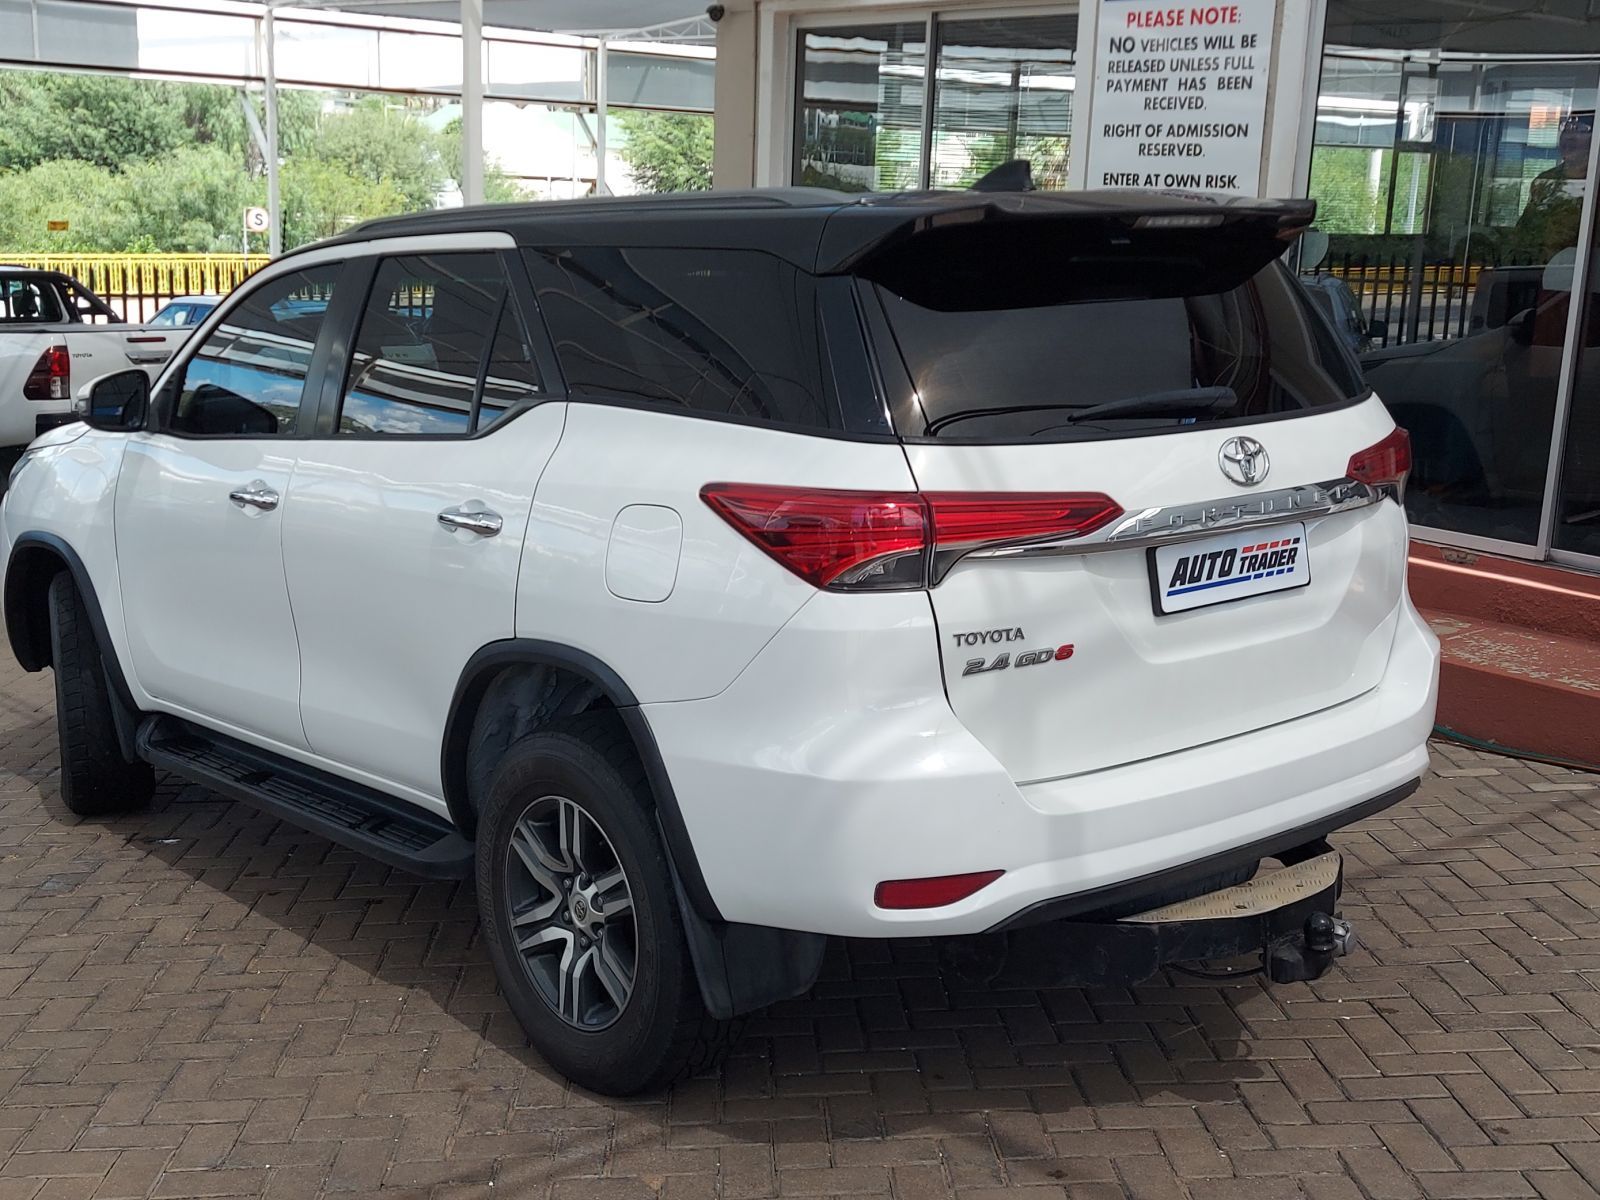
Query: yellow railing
x,y
148,276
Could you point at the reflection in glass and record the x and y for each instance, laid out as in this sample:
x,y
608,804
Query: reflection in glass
x,y
1577,508
860,107
249,376
1498,27
1003,90
1450,194
420,353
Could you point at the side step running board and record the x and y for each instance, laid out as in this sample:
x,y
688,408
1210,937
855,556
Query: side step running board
x,y
379,826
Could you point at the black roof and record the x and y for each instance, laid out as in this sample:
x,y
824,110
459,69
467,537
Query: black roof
x,y
817,229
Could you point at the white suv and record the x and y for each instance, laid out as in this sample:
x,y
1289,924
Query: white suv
x,y
709,576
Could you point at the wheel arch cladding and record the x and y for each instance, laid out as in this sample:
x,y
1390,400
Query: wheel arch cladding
x,y
27,605
509,688
36,559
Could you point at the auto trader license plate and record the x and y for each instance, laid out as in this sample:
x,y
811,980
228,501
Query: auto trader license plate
x,y
1230,566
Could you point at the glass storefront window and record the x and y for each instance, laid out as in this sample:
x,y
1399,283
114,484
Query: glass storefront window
x,y
1577,511
1003,90
860,109
1450,194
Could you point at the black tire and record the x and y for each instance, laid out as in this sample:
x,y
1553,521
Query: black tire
x,y
661,1032
95,779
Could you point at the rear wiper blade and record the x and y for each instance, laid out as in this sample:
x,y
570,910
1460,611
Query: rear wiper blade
x,y
1188,402
972,414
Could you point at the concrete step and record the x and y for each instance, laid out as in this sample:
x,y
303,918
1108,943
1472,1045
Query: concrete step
x,y
1529,595
1517,689
1521,650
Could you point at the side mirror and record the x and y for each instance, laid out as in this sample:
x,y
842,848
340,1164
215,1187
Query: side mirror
x,y
119,402
1378,329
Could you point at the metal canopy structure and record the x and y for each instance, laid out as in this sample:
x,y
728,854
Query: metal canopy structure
x,y
593,18
605,20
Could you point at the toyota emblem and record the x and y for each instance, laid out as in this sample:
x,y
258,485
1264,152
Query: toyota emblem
x,y
1244,460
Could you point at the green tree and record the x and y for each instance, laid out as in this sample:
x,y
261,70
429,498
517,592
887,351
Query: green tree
x,y
321,198
98,119
667,152
385,145
192,200
145,165
92,200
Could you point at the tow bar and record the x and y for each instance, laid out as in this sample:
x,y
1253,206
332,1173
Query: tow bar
x,y
1322,939
1288,914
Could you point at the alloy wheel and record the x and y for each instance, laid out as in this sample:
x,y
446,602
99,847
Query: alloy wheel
x,y
571,913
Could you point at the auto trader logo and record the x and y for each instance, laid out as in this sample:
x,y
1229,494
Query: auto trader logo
x,y
1219,568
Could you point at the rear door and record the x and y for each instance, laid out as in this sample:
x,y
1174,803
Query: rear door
x,y
404,533
1235,579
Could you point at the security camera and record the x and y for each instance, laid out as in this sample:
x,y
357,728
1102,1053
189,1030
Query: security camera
x,y
716,12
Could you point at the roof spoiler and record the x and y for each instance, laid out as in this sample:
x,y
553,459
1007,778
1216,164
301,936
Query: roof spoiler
x,y
859,234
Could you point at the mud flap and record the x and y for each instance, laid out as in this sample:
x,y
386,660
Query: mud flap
x,y
742,968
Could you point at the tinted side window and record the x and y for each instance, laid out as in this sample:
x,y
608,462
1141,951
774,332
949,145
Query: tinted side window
x,y
730,332
249,377
440,331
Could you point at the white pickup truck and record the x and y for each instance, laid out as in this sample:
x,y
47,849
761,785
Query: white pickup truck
x,y
55,334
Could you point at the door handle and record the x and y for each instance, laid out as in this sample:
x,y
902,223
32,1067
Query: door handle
x,y
483,522
255,494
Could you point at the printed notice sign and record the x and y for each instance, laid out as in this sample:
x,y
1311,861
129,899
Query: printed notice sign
x,y
1180,94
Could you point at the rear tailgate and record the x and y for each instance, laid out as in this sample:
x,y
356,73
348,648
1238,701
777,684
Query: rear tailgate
x,y
1172,366
1138,683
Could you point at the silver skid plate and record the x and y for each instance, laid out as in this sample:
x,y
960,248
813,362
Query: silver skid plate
x,y
1268,891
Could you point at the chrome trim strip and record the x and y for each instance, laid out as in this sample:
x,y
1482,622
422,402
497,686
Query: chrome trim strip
x,y
1185,522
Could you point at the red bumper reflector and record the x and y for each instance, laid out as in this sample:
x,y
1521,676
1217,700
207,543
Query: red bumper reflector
x,y
934,892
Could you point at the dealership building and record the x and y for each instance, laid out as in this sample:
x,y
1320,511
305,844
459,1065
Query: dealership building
x,y
1449,145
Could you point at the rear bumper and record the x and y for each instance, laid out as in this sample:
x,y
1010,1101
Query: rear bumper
x,y
797,814
45,422
1291,843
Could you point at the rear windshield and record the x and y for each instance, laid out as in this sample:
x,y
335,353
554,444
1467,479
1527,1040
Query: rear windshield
x,y
28,302
1108,367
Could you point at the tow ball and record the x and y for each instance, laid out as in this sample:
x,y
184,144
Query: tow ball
x,y
1308,954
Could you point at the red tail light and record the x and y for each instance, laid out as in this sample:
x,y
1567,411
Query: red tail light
x,y
51,377
1385,464
828,538
964,519
850,540
935,892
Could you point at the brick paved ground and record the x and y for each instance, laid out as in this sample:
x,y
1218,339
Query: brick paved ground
x,y
201,1002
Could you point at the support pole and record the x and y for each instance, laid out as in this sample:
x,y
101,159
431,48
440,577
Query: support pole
x,y
601,188
270,71
472,101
